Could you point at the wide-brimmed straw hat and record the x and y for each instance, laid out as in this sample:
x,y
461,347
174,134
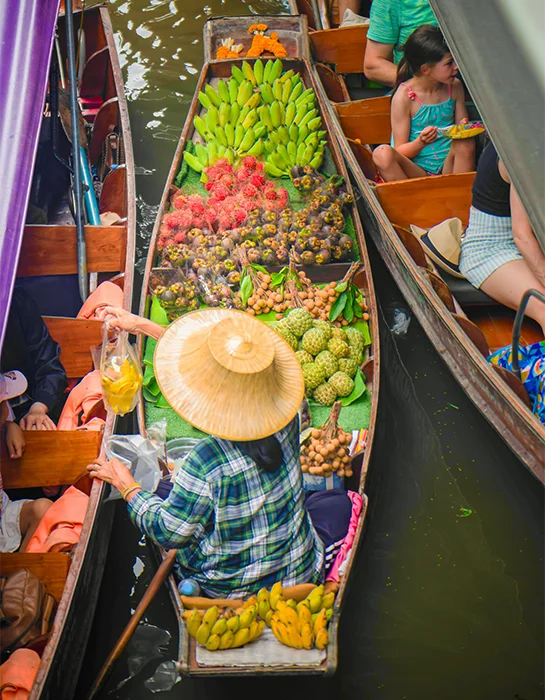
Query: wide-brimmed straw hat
x,y
229,374
442,243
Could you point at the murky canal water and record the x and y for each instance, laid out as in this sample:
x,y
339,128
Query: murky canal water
x,y
446,599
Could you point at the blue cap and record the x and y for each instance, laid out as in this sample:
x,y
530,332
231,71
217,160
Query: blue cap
x,y
187,588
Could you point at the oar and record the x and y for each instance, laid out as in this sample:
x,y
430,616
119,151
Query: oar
x,y
76,164
160,575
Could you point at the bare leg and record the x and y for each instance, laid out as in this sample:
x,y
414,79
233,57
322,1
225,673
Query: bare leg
x,y
353,5
393,166
507,285
31,514
461,157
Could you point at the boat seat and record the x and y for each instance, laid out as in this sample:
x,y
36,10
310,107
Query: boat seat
x,y
366,120
334,84
343,47
465,293
75,336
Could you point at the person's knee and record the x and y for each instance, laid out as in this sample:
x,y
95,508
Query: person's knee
x,y
464,147
383,156
39,508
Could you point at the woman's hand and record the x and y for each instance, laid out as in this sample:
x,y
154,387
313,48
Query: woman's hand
x,y
37,418
112,472
15,440
428,135
115,317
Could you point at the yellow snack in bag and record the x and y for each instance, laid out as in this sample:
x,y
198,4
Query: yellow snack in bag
x,y
121,376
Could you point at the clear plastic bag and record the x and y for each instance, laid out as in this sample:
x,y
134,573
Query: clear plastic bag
x,y
120,372
141,457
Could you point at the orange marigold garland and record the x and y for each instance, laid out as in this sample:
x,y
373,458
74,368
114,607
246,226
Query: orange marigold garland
x,y
262,43
229,49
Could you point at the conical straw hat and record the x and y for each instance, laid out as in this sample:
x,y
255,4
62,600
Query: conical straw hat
x,y
229,374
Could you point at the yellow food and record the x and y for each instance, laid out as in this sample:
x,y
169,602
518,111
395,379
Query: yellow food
x,y
120,385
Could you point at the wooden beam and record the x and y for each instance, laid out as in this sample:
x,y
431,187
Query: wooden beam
x,y
426,201
50,567
75,336
51,458
52,250
343,47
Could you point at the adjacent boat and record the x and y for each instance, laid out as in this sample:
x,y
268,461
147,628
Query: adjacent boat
x,y
256,659
42,257
463,323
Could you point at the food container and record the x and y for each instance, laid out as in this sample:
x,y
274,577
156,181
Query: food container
x,y
177,450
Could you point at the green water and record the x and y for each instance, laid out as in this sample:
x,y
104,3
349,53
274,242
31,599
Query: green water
x,y
446,597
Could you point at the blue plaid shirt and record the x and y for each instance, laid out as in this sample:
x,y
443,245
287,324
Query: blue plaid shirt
x,y
237,528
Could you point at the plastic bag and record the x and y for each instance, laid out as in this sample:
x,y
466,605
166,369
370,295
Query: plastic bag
x,y
120,372
141,457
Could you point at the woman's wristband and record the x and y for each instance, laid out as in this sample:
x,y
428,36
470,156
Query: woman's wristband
x,y
130,489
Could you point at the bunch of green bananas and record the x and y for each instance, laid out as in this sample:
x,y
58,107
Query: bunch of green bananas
x,y
259,111
224,630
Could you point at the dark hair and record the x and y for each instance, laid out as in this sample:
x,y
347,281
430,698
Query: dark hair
x,y
266,453
425,45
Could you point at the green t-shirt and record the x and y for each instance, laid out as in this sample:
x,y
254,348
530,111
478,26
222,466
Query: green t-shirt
x,y
393,21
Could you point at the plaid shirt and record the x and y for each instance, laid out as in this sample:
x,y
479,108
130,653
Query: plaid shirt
x,y
237,528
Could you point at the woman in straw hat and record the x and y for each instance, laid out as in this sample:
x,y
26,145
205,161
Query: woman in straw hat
x,y
236,510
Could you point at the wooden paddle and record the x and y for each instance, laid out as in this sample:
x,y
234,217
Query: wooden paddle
x,y
160,575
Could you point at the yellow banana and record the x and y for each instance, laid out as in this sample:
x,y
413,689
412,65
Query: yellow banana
x,y
254,630
241,637
233,623
219,627
203,633
280,631
211,615
287,76
322,639
258,71
213,642
320,622
307,637
303,604
248,72
289,616
294,637
251,601
262,594
327,600
315,597
268,617
277,589
263,608
305,616
226,639
254,100
291,603
246,618
193,622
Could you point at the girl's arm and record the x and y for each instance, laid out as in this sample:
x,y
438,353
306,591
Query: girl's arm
x,y
401,126
460,114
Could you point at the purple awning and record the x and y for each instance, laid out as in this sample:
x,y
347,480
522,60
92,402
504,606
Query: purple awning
x,y
27,32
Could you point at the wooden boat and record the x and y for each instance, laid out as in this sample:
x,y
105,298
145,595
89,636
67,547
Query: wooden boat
x,y
463,323
252,662
43,260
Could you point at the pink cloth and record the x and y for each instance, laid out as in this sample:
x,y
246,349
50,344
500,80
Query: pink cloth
x,y
106,294
357,507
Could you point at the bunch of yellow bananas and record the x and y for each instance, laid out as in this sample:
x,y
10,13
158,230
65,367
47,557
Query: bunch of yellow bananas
x,y
259,111
225,629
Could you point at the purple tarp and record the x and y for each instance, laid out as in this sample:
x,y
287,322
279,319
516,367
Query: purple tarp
x,y
27,31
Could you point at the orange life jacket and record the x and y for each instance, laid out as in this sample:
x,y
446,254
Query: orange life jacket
x,y
60,528
83,405
17,674
106,294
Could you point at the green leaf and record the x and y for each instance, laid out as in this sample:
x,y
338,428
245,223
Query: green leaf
x,y
348,312
358,313
162,402
363,328
359,389
246,289
341,287
338,306
259,268
278,278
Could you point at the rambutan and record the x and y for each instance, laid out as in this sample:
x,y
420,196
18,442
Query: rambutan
x,y
197,222
228,180
270,194
249,191
243,174
219,191
257,180
179,237
249,162
240,217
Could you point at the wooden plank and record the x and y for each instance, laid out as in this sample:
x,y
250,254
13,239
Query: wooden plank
x,y
51,568
426,201
364,156
114,192
51,458
343,47
366,120
106,121
52,250
93,79
334,84
75,336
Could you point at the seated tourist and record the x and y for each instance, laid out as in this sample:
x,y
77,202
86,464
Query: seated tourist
x,y
18,519
236,512
29,348
499,251
428,97
392,22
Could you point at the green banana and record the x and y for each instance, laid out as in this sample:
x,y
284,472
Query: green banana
x,y
212,94
256,149
317,160
267,71
287,76
286,92
204,100
283,152
250,120
292,152
235,112
244,92
229,130
239,135
233,90
274,138
284,134
276,113
276,71
193,162
219,133
230,155
308,116
223,91
304,95
260,130
254,100
277,90
308,153
300,150
278,160
296,92
200,126
290,113
258,71
243,114
315,123
212,149
248,72
265,116
266,93
225,113
269,146
293,131
237,74
202,154
221,150
248,140
272,170
303,133
212,118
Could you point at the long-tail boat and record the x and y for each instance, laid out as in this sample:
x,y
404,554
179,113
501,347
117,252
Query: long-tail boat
x,y
42,258
265,655
463,323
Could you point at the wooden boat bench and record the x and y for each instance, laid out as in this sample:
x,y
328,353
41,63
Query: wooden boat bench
x,y
343,48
